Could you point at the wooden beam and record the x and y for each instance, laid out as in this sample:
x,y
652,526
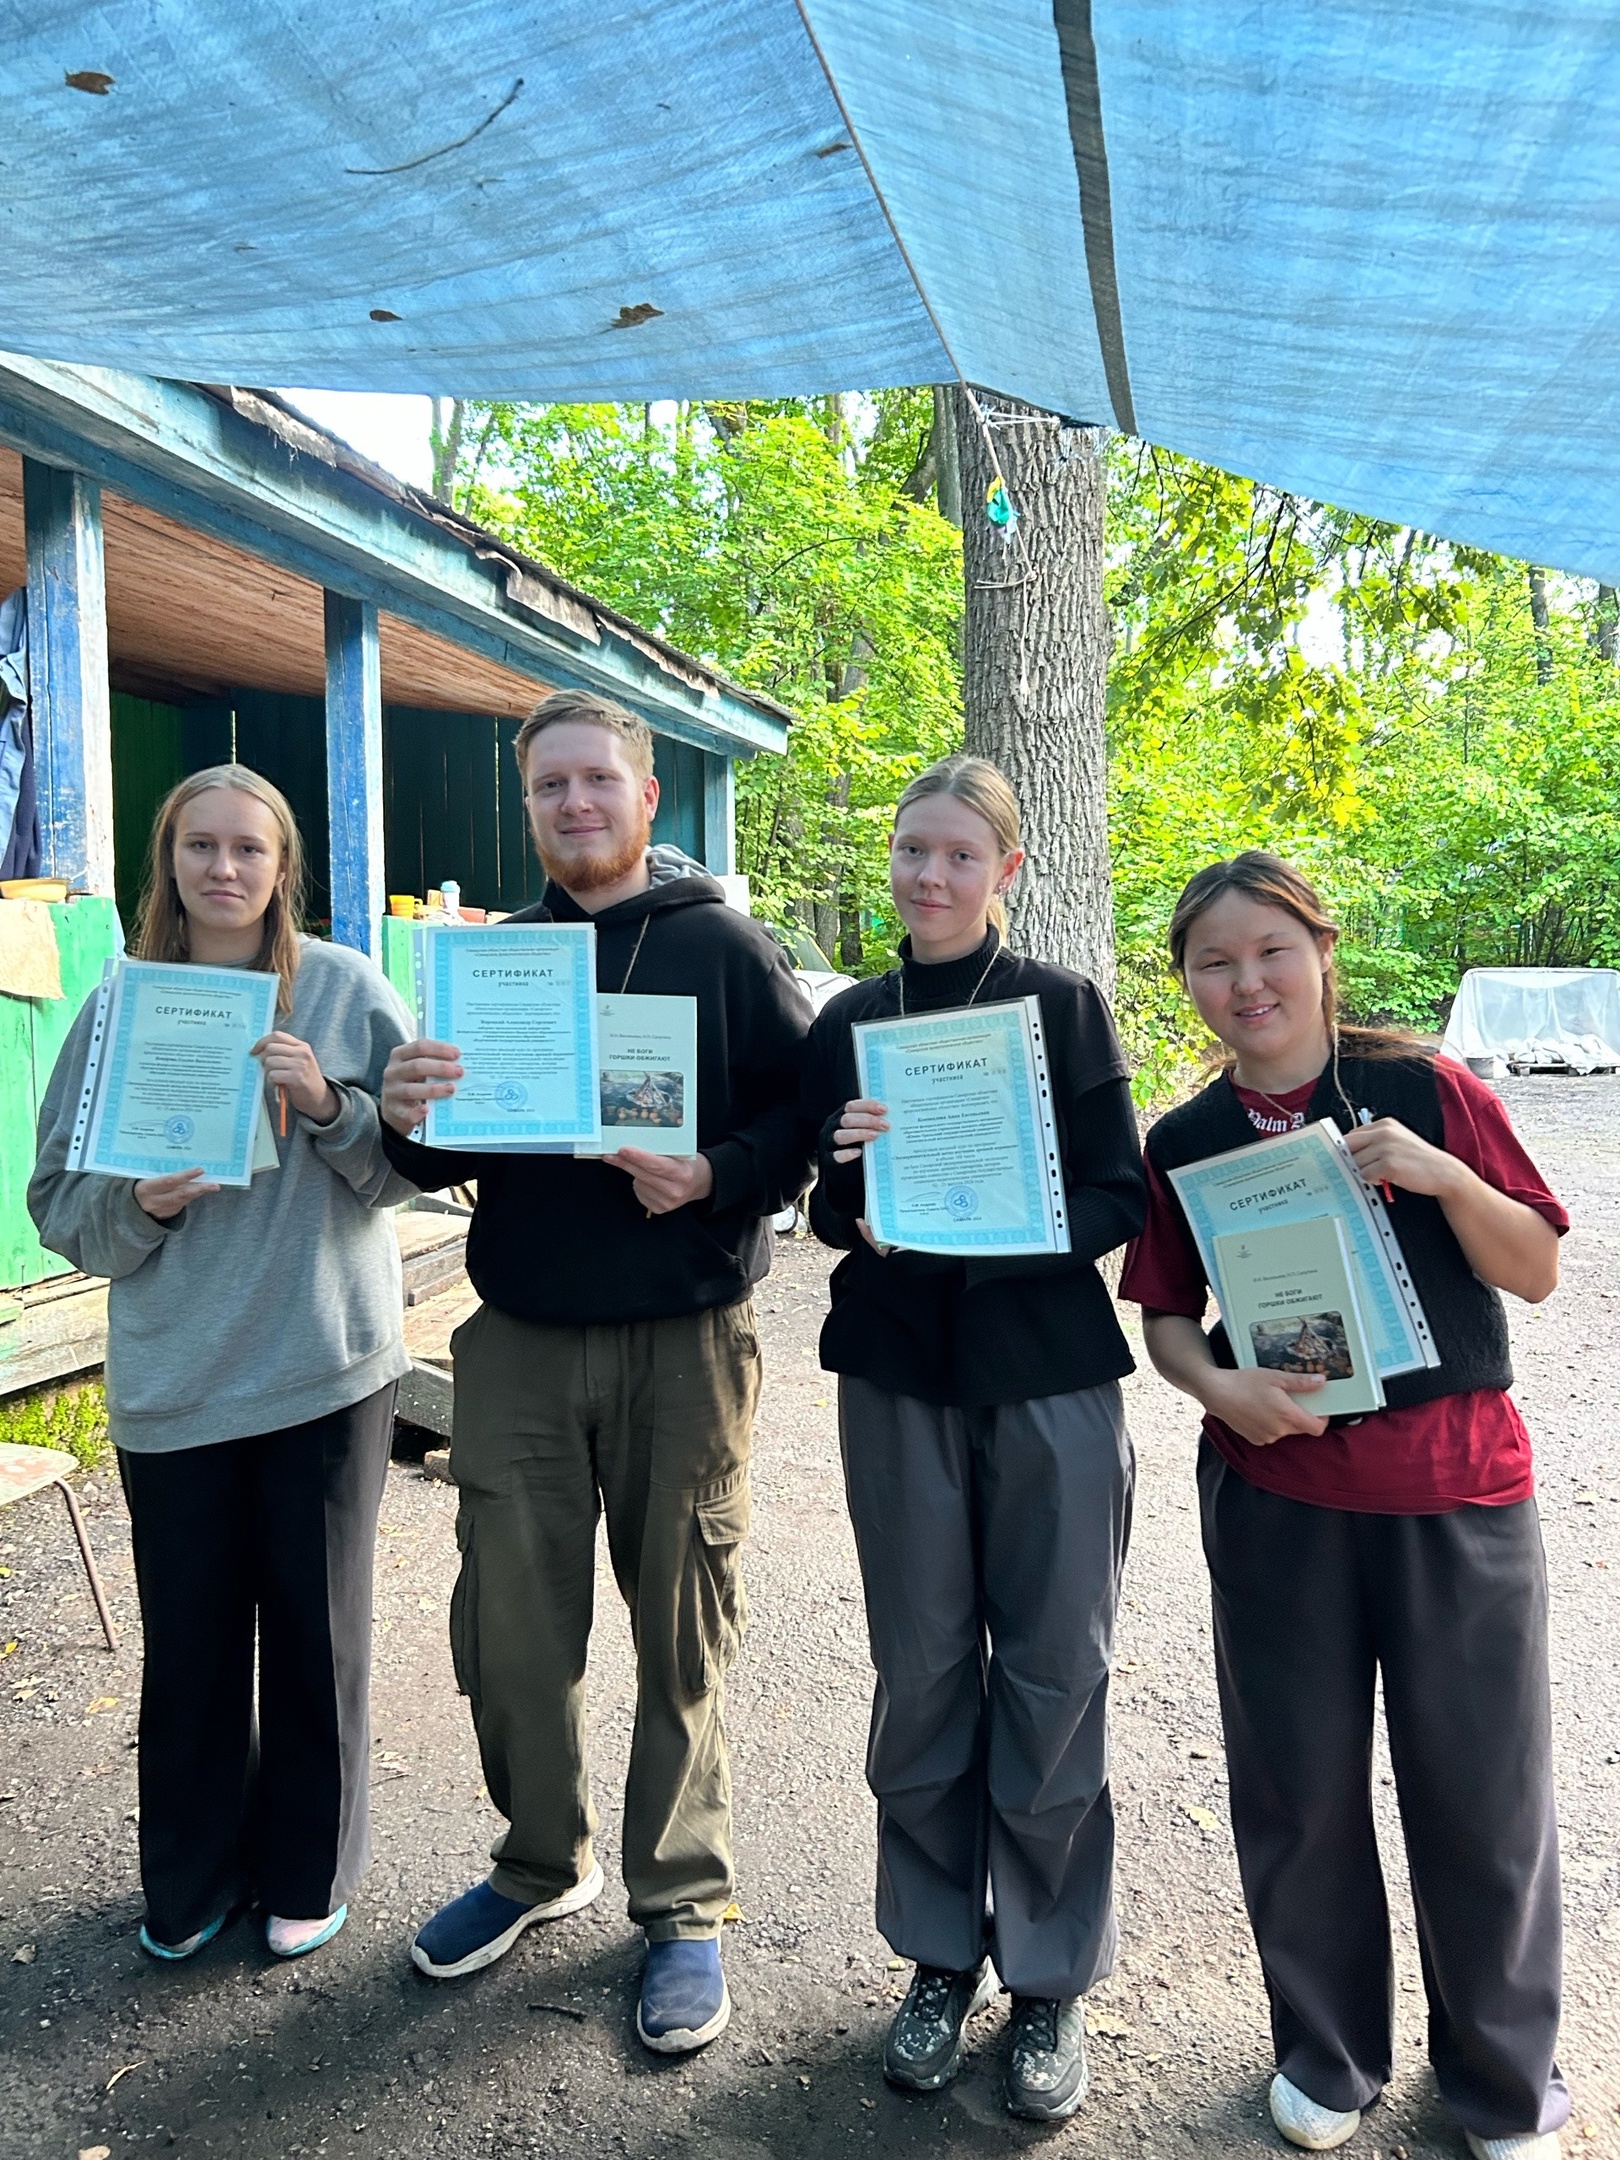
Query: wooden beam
x,y
67,674
354,782
719,814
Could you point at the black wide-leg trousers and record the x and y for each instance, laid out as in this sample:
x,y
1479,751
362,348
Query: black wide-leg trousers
x,y
1311,1606
268,1542
991,1543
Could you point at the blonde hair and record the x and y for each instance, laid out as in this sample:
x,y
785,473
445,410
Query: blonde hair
x,y
984,788
583,708
162,930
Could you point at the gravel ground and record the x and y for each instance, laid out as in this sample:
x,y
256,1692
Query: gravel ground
x,y
351,2052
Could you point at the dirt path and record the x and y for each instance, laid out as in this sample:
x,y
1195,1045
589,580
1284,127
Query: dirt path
x,y
352,2053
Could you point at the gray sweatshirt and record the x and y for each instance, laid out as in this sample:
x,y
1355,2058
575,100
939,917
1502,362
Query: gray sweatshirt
x,y
258,1308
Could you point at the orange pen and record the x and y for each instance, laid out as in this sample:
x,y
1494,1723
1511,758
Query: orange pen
x,y
282,1092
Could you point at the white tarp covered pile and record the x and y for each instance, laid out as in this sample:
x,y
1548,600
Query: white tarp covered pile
x,y
1536,1020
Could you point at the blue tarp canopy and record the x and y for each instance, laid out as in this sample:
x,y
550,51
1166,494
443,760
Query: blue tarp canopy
x,y
1362,249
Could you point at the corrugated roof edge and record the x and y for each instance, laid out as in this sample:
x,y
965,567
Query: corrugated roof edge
x,y
530,584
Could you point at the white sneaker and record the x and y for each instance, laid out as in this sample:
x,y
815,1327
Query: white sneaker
x,y
1534,2145
1304,2121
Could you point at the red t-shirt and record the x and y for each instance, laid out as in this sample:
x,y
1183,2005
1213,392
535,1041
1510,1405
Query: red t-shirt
x,y
1419,1461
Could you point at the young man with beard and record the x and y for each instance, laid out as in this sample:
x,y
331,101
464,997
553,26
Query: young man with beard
x,y
613,1367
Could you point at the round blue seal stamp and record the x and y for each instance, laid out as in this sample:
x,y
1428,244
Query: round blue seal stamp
x,y
511,1095
179,1130
961,1201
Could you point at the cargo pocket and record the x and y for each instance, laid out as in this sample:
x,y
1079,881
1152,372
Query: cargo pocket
x,y
713,1604
464,1613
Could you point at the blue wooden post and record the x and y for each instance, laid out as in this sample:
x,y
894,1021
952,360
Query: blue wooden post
x,y
719,814
67,674
354,780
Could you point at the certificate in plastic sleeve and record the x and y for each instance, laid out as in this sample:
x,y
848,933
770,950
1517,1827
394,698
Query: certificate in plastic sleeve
x,y
1294,1178
519,1002
970,1163
648,1091
169,1081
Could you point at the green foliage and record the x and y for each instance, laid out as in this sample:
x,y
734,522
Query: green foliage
x,y
73,1418
1431,733
779,542
1376,705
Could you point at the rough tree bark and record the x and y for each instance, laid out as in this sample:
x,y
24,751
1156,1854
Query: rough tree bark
x,y
444,440
1037,641
1540,621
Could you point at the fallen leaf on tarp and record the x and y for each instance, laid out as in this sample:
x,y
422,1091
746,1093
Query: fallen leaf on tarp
x,y
24,1954
95,82
1203,1817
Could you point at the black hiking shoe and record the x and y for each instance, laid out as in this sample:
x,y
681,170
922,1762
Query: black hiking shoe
x,y
1047,2077
923,2050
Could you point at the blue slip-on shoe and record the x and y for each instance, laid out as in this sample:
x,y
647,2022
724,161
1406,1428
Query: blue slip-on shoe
x,y
173,1952
478,1927
286,1939
684,2000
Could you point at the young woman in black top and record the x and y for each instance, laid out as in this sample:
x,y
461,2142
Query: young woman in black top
x,y
989,1478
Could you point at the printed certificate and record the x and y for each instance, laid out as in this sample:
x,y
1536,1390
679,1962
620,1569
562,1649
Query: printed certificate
x,y
1290,1306
970,1162
1291,1179
648,1092
169,1084
519,1003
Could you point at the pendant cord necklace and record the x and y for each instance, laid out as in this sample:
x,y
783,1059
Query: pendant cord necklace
x,y
972,994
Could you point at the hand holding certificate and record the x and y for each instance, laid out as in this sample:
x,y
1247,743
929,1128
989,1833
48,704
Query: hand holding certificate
x,y
170,1082
518,1002
969,1164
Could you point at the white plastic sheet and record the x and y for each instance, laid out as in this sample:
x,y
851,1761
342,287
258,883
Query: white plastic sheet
x,y
1537,1020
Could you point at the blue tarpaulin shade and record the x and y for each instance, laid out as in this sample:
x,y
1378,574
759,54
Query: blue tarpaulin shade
x,y
1362,249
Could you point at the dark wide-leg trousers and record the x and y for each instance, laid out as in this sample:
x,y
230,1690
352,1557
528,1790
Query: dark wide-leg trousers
x,y
1310,1605
264,1541
991,1545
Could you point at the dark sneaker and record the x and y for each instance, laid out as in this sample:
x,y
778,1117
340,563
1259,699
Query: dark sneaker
x,y
684,2002
923,2050
1047,2077
478,1927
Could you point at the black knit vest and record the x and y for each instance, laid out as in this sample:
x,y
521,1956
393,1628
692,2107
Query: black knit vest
x,y
1465,1315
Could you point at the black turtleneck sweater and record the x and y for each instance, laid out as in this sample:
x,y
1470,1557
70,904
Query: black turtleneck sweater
x,y
975,1332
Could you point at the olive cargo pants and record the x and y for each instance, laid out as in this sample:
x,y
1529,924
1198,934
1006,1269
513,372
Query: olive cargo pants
x,y
649,1421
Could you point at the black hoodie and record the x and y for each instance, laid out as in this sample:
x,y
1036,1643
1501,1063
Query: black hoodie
x,y
558,1239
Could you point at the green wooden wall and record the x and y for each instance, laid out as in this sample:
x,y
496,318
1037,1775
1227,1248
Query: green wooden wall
x,y
32,1032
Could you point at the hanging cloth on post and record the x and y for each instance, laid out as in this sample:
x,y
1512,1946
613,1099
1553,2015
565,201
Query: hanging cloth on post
x,y
19,798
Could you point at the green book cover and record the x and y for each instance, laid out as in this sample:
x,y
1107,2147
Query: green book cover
x,y
1289,1304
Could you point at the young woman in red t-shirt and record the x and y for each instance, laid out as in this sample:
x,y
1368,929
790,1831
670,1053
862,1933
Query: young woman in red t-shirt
x,y
1403,1544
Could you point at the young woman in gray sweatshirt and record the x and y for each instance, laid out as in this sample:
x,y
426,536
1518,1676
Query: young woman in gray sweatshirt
x,y
253,1349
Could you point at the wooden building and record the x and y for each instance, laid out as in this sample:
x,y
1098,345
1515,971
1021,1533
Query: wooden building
x,y
212,576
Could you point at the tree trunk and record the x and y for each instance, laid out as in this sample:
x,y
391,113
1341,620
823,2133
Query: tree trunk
x,y
1035,671
947,466
1606,630
444,439
1539,621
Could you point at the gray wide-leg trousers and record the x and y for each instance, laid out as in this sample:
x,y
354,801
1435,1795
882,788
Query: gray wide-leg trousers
x,y
991,1544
